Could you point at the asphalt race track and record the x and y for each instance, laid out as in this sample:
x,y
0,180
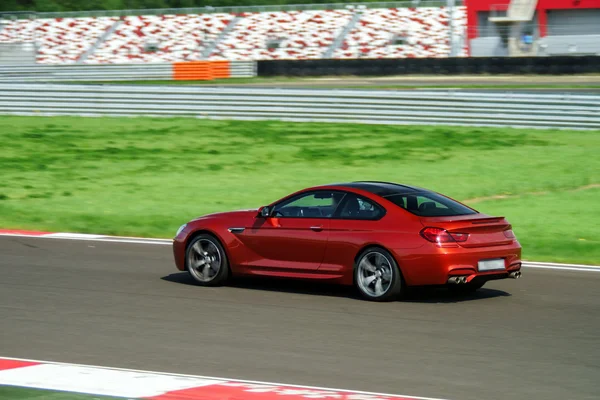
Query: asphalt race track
x,y
125,305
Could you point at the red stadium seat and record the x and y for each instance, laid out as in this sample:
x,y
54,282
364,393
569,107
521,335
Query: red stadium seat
x,y
174,38
300,35
379,33
59,41
424,32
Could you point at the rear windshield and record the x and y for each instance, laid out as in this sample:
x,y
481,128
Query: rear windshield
x,y
429,204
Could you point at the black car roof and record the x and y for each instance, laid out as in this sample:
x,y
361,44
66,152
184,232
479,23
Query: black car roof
x,y
383,189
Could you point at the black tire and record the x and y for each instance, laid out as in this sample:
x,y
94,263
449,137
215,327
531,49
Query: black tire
x,y
396,283
212,248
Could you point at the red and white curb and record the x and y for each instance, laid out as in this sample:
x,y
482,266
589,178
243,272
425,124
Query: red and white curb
x,y
137,384
169,242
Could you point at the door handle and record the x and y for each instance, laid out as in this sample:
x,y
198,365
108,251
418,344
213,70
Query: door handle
x,y
317,228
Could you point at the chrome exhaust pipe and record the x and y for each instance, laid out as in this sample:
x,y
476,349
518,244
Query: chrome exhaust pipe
x,y
457,280
515,275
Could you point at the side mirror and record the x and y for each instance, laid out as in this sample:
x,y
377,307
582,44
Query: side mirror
x,y
264,212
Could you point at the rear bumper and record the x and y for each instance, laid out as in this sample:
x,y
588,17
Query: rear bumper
x,y
513,273
434,265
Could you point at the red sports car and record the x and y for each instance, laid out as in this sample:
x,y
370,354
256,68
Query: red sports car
x,y
379,236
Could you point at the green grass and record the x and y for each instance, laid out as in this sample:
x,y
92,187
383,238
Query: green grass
x,y
544,235
21,393
146,176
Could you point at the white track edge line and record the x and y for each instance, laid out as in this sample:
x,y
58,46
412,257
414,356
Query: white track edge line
x,y
225,379
141,240
113,239
559,264
110,240
586,269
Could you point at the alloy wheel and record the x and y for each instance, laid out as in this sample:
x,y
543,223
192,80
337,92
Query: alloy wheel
x,y
375,274
204,260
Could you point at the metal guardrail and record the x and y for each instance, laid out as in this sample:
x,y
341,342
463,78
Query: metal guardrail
x,y
106,72
243,69
342,105
87,72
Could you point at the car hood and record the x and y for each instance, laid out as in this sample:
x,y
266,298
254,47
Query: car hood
x,y
228,214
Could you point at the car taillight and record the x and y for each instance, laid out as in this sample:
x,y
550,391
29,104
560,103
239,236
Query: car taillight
x,y
509,234
439,235
460,237
436,235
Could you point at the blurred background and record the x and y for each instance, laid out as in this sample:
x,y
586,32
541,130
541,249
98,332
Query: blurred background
x,y
131,117
237,103
117,31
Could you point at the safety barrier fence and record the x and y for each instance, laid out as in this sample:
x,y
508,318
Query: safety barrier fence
x,y
192,70
557,65
344,105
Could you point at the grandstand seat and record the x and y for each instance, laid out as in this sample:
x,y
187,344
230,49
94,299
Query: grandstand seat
x,y
379,33
299,35
424,32
17,31
60,40
176,37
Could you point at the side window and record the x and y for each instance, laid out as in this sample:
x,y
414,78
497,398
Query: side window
x,y
321,204
356,207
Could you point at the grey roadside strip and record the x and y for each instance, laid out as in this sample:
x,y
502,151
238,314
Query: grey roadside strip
x,y
169,242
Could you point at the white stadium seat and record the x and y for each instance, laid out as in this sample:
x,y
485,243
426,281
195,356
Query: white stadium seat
x,y
175,37
60,40
301,35
423,32
379,33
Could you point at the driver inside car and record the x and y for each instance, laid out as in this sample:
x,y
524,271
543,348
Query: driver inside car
x,y
336,198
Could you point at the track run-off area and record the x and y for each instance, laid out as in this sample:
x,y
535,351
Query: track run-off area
x,y
119,302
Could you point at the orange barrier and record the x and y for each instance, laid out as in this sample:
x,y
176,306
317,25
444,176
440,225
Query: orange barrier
x,y
201,70
220,69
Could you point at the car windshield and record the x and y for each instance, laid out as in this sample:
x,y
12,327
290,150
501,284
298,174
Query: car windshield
x,y
428,204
